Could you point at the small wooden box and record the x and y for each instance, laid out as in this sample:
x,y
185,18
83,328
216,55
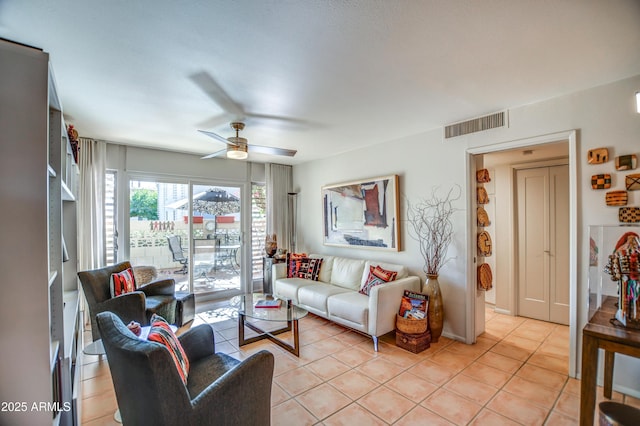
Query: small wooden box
x,y
413,342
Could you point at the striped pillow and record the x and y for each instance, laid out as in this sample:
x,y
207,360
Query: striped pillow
x,y
309,268
161,333
293,263
376,277
122,282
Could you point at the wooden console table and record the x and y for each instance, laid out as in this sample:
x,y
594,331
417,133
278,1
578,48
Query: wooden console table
x,y
599,333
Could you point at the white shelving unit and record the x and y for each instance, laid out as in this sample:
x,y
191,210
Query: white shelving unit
x,y
39,319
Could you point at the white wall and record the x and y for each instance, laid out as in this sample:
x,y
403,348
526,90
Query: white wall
x,y
604,117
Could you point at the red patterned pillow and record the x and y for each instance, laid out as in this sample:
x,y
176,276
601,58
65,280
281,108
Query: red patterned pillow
x,y
161,333
293,263
309,268
376,277
122,282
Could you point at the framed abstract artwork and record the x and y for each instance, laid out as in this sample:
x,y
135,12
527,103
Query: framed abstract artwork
x,y
363,213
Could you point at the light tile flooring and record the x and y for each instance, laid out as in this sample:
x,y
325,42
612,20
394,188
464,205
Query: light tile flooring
x,y
517,373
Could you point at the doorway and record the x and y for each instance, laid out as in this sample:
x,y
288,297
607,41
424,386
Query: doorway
x,y
532,150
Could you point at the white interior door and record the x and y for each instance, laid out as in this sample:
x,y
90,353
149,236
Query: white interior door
x,y
559,245
543,243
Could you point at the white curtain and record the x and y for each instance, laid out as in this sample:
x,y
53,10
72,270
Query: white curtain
x,y
91,244
279,179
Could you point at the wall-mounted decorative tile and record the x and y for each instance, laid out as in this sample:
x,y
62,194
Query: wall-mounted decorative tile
x,y
616,198
598,156
629,214
632,182
626,162
601,181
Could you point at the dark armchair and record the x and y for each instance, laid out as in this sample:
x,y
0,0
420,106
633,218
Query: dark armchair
x,y
155,297
220,390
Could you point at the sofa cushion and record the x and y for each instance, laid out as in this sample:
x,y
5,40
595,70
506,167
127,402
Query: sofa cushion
x,y
309,268
352,307
402,271
288,288
326,268
316,295
293,263
376,277
347,273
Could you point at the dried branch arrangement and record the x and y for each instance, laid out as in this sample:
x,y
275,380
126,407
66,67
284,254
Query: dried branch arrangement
x,y
432,226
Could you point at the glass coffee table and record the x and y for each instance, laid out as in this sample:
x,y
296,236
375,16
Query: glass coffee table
x,y
285,312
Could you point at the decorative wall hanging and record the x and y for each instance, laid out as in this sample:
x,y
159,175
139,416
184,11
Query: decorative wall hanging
x,y
482,176
626,162
483,197
484,244
616,198
598,156
629,214
601,181
362,213
483,217
632,182
485,277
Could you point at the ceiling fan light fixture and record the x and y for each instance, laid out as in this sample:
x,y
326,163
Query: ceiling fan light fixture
x,y
238,152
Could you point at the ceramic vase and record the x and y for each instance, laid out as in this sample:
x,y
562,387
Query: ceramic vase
x,y
270,245
436,307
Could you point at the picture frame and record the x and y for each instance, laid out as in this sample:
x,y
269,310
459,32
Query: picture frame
x,y
362,214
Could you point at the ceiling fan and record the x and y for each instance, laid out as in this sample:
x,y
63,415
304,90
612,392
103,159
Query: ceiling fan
x,y
237,147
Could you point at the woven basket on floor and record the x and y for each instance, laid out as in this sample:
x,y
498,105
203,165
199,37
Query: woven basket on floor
x,y
411,326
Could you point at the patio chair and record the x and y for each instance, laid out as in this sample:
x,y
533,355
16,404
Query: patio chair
x,y
219,389
154,297
178,253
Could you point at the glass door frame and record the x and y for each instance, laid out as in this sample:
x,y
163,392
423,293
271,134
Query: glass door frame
x,y
245,230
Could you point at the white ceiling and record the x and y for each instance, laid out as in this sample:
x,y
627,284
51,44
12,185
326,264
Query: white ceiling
x,y
347,74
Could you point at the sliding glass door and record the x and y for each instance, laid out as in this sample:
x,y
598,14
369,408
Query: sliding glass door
x,y
191,232
216,224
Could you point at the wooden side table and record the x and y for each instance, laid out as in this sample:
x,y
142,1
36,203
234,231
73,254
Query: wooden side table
x,y
599,333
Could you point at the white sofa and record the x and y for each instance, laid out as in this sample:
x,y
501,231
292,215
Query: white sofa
x,y
335,296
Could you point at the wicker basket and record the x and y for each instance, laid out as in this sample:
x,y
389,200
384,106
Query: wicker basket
x,y
411,326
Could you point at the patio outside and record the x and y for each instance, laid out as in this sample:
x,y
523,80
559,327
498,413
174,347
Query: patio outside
x,y
213,252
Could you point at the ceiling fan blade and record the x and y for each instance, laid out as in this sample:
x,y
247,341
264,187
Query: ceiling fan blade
x,y
278,122
215,122
215,154
214,91
216,137
272,150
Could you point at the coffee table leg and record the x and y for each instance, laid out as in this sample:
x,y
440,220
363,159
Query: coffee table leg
x,y
241,330
296,339
295,349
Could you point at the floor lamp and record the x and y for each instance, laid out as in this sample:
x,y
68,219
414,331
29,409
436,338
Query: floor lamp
x,y
293,217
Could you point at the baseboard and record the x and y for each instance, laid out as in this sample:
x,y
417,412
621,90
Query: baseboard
x,y
502,311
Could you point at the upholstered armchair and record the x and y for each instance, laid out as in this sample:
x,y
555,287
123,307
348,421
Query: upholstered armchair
x,y
219,389
154,297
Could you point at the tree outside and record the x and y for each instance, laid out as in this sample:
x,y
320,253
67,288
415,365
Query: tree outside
x,y
144,204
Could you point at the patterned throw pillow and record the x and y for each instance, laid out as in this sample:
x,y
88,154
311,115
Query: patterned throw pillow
x,y
293,263
122,282
376,277
309,268
161,333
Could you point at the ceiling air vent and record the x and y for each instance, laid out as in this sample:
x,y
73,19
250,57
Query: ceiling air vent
x,y
476,125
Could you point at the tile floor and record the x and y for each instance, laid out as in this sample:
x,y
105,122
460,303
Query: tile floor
x,y
516,374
